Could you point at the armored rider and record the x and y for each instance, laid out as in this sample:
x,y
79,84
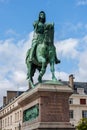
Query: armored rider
x,y
38,36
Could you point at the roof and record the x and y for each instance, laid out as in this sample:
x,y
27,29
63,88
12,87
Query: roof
x,y
78,85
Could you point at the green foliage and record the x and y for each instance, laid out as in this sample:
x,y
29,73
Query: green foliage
x,y
82,125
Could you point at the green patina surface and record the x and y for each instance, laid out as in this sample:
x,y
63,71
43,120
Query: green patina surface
x,y
42,51
52,82
31,113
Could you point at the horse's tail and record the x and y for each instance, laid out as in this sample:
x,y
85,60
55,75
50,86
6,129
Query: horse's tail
x,y
27,55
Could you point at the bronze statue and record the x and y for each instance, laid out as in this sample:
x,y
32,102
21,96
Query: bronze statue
x,y
38,36
42,51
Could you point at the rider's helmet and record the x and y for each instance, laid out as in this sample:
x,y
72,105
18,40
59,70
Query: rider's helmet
x,y
42,16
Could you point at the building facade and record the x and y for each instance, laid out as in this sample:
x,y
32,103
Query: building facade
x,y
78,108
11,113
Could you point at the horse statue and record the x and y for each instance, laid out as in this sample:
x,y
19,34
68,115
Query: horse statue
x,y
44,54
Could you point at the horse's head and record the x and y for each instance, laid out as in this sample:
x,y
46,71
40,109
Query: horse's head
x,y
49,33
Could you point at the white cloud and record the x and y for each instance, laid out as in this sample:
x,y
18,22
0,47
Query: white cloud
x,y
67,48
63,75
69,29
75,49
81,73
81,2
12,64
11,32
19,76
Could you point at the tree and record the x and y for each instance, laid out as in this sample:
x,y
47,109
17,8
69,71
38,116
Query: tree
x,y
82,125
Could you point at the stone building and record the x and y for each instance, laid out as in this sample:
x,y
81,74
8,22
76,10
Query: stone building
x,y
78,101
11,112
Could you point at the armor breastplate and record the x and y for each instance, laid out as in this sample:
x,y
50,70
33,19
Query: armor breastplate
x,y
40,28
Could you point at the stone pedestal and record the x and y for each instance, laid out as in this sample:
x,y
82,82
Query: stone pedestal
x,y
52,112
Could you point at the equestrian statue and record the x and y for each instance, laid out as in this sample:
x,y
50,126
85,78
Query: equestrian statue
x,y
42,51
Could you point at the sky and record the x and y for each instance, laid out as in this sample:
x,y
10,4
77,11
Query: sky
x,y
16,32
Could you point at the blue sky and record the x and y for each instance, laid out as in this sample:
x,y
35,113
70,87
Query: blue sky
x,y
16,30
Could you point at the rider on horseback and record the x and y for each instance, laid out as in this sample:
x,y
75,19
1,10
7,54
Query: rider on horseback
x,y
42,51
38,36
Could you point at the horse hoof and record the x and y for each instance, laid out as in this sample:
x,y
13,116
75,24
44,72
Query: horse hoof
x,y
54,79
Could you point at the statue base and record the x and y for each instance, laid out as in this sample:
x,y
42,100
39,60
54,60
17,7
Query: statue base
x,y
46,107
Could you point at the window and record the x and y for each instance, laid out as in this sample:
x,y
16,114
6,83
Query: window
x,y
83,101
80,90
71,114
70,100
84,114
3,123
11,120
20,114
15,117
8,121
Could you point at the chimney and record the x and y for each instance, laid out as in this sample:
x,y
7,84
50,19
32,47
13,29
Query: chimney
x,y
71,81
11,95
4,100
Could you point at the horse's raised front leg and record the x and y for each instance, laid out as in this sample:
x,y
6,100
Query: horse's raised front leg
x,y
53,71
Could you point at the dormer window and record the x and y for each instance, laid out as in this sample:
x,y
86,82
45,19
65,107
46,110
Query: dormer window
x,y
83,101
